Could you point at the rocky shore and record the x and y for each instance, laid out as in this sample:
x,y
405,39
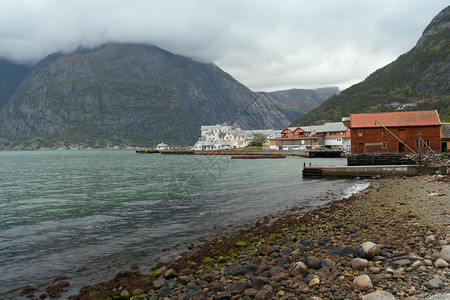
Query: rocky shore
x,y
390,241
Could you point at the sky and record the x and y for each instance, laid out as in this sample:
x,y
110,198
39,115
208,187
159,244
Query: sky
x,y
266,45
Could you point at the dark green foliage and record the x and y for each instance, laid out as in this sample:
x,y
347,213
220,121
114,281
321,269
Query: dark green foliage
x,y
258,139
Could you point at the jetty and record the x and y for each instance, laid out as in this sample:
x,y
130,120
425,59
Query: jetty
x,y
147,151
257,156
371,171
265,153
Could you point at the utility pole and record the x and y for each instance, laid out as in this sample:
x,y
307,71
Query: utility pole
x,y
419,149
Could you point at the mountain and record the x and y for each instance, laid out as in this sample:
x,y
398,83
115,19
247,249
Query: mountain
x,y
417,80
126,94
11,75
295,103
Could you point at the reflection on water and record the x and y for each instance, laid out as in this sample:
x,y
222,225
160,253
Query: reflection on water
x,y
65,210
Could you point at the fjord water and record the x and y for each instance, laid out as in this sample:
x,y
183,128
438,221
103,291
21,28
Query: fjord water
x,y
88,214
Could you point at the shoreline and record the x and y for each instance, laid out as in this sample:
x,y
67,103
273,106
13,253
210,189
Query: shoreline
x,y
390,212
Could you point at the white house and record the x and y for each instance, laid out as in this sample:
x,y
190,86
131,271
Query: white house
x,y
162,146
221,145
204,145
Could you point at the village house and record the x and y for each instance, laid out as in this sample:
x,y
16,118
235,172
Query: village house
x,y
333,136
395,132
162,146
226,137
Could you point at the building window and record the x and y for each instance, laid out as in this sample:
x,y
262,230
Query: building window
x,y
422,144
384,145
383,132
360,133
419,131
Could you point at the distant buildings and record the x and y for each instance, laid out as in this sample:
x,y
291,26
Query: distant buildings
x,y
226,137
389,132
162,146
333,136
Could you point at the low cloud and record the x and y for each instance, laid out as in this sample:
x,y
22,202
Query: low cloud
x,y
266,45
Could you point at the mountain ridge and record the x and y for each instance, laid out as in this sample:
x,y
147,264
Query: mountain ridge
x,y
127,95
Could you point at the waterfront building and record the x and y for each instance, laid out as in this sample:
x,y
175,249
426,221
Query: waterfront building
x,y
333,136
395,132
162,146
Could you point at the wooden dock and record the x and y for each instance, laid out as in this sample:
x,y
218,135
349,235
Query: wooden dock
x,y
378,159
147,151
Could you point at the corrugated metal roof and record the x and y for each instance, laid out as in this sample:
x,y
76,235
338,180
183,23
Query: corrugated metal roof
x,y
204,143
396,119
327,127
333,127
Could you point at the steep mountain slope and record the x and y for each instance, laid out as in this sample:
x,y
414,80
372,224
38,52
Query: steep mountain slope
x,y
417,80
11,76
295,103
127,94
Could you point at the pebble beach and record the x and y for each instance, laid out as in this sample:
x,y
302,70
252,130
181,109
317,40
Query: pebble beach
x,y
390,241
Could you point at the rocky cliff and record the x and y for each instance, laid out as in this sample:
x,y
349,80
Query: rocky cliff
x,y
122,94
134,95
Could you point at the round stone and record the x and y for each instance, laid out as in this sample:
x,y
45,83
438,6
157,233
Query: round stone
x,y
445,253
362,282
440,263
359,263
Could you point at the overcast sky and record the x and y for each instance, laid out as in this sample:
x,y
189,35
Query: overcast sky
x,y
265,44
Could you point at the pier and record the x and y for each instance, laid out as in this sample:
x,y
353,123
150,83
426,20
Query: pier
x,y
370,171
257,156
267,153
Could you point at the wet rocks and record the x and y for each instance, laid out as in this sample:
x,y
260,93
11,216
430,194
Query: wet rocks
x,y
332,254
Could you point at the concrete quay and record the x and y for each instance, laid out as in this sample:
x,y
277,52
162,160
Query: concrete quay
x,y
369,171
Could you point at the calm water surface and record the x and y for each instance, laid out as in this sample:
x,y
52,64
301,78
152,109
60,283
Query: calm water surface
x,y
68,211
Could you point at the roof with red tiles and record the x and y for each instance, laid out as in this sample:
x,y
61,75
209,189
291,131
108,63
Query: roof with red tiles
x,y
396,119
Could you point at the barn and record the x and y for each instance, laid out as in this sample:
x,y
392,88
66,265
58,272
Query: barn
x,y
395,132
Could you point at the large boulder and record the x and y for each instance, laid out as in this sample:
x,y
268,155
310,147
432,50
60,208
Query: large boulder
x,y
368,250
362,282
379,295
300,268
359,263
445,253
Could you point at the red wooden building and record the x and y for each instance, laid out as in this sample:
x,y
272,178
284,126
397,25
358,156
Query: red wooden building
x,y
385,132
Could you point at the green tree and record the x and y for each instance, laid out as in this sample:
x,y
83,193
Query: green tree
x,y
258,139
